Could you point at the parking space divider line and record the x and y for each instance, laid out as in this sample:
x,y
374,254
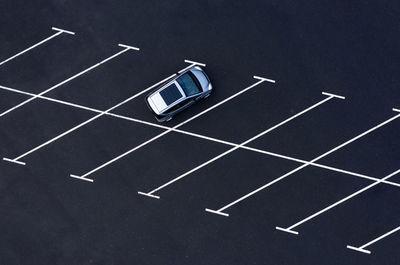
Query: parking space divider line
x,y
64,82
14,161
290,228
78,177
359,249
287,230
149,195
171,129
59,32
240,145
63,31
216,212
333,95
362,248
195,63
200,136
192,63
264,79
396,110
127,46
307,164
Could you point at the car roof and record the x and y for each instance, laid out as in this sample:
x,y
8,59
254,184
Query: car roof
x,y
171,93
167,96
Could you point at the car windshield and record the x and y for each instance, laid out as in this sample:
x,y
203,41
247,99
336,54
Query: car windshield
x,y
188,84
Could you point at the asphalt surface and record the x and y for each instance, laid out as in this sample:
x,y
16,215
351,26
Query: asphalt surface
x,y
349,49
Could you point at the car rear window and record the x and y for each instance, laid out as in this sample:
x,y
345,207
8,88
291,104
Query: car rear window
x,y
170,94
188,84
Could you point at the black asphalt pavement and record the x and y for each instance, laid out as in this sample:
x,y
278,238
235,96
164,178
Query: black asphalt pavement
x,y
342,47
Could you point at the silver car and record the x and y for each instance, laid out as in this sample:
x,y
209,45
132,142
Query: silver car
x,y
179,93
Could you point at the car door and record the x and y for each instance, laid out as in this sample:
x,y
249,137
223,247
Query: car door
x,y
181,106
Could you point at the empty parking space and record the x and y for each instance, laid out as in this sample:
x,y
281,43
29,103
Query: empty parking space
x,y
98,142
57,32
43,65
169,155
294,197
106,85
313,133
292,228
375,155
9,99
215,182
38,121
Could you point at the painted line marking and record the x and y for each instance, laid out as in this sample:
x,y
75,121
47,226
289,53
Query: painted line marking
x,y
362,248
195,63
286,230
264,79
333,95
63,30
63,82
342,200
81,178
307,164
31,47
171,129
240,145
13,161
216,140
359,249
149,195
217,212
319,165
190,66
397,110
129,47
88,121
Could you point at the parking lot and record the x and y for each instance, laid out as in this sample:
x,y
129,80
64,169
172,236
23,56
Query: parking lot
x,y
293,159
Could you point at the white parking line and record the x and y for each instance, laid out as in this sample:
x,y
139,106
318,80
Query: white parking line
x,y
290,228
362,248
65,81
12,161
305,165
169,130
195,63
237,147
333,95
63,30
129,47
77,177
59,32
192,63
200,136
264,79
16,159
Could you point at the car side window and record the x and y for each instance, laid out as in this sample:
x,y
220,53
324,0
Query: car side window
x,y
178,106
174,108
